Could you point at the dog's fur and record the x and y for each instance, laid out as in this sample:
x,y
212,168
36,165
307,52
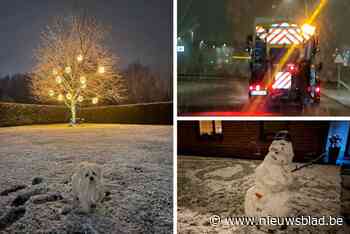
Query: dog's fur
x,y
87,186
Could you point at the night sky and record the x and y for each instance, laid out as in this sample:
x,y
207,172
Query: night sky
x,y
141,30
233,20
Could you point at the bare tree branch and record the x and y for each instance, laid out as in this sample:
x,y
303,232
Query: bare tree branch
x,y
73,64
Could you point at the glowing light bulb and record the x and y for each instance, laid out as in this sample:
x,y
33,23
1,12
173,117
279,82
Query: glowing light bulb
x,y
83,79
95,100
69,96
80,99
51,93
101,69
60,97
83,86
68,70
58,79
54,72
80,58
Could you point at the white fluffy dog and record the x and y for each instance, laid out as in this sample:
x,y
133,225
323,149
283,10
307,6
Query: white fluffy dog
x,y
87,186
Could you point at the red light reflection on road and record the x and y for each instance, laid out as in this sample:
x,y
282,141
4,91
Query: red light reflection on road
x,y
228,113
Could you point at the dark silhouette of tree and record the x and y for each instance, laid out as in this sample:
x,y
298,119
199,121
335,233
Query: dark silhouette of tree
x,y
16,88
146,86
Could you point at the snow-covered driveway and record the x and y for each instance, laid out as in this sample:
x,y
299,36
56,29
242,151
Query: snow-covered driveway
x,y
137,160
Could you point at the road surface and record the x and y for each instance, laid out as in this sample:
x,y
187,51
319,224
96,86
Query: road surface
x,y
229,97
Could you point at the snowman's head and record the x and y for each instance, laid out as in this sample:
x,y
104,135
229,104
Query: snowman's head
x,y
280,152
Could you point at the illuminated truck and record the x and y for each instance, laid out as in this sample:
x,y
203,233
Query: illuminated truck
x,y
284,62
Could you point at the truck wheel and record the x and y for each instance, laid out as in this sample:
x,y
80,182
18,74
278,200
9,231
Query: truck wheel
x,y
249,96
317,101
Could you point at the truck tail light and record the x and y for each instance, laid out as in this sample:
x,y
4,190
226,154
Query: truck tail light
x,y
292,68
256,87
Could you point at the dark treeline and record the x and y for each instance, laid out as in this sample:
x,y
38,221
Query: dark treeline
x,y
146,86
142,84
16,88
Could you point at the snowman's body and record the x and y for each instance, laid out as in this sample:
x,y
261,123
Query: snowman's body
x,y
270,195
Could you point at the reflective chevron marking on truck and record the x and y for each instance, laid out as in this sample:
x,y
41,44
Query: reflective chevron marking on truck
x,y
285,34
280,36
261,32
283,80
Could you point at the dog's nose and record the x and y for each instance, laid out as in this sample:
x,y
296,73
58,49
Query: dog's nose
x,y
91,178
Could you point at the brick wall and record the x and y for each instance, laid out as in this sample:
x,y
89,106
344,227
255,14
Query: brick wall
x,y
251,139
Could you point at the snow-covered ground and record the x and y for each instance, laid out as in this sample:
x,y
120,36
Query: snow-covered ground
x,y
217,186
137,160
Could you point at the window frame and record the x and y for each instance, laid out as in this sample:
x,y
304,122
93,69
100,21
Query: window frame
x,y
213,137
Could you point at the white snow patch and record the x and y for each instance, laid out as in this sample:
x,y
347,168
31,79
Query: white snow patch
x,y
227,172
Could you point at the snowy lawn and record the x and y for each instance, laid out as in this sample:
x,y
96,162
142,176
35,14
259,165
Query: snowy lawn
x,y
137,160
217,186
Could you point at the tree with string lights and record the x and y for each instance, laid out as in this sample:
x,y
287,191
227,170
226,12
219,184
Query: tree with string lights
x,y
74,67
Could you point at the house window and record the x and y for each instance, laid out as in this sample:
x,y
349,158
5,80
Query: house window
x,y
210,129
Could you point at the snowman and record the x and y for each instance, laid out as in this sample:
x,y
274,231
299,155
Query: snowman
x,y
270,194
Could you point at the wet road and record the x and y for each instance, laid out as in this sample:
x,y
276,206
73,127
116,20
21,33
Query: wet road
x,y
228,97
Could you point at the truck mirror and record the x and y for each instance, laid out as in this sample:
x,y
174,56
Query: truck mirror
x,y
316,50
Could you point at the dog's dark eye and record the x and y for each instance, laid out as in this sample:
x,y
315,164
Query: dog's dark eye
x,y
86,175
94,173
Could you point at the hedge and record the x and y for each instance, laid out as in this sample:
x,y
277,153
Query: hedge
x,y
12,114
